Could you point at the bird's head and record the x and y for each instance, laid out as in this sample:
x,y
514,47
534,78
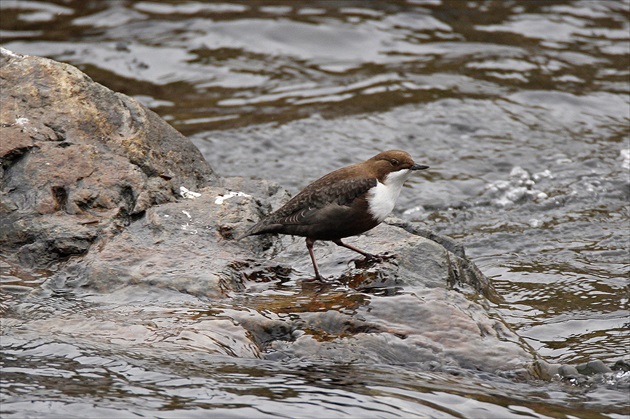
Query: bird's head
x,y
393,166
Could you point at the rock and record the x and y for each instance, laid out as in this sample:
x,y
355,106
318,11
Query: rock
x,y
92,174
593,367
568,371
183,246
79,161
621,365
392,311
547,371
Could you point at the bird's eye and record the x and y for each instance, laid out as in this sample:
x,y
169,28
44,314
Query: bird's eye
x,y
394,162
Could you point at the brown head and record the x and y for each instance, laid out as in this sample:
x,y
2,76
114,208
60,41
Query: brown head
x,y
391,161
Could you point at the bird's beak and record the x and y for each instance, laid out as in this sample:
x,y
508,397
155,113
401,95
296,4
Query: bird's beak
x,y
418,167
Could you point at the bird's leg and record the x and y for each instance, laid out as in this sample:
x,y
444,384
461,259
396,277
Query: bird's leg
x,y
366,254
309,246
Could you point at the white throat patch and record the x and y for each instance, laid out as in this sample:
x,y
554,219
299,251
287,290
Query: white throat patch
x,y
382,198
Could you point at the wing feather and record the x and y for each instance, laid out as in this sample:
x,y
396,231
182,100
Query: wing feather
x,y
343,193
303,207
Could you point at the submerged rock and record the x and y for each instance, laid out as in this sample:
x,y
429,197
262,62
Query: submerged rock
x,y
91,186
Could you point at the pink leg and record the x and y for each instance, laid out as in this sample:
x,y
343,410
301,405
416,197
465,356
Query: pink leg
x,y
366,254
309,246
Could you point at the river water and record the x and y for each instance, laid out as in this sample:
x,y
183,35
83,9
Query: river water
x,y
520,108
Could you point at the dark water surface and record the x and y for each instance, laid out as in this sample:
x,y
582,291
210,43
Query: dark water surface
x,y
520,108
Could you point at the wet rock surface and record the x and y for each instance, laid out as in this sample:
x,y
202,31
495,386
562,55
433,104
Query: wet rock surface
x,y
79,161
91,189
390,311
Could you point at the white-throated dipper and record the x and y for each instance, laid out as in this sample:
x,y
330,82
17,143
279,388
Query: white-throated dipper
x,y
343,203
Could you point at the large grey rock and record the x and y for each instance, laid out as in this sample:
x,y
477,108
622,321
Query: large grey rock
x,y
79,161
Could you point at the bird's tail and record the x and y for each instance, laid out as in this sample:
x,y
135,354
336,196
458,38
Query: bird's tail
x,y
258,228
249,232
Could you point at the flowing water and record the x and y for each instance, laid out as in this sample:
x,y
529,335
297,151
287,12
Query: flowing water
x,y
520,108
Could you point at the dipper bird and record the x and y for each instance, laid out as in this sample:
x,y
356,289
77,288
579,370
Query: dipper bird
x,y
343,203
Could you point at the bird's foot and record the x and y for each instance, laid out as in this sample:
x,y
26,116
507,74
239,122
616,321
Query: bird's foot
x,y
314,279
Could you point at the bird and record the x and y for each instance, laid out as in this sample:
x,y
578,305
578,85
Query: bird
x,y
346,202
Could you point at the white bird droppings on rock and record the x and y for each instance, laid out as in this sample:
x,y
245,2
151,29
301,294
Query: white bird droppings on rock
x,y
222,198
184,192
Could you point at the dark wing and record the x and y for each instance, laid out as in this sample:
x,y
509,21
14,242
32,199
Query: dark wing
x,y
302,207
314,197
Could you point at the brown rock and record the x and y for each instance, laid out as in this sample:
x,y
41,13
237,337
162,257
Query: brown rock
x,y
78,160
